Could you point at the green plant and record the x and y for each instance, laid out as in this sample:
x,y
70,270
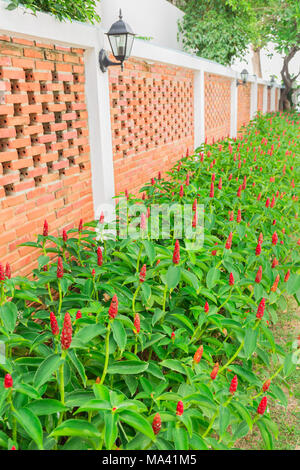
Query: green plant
x,y
79,10
151,344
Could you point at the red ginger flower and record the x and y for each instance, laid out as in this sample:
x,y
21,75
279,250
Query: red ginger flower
x,y
99,256
194,205
198,355
179,408
66,334
258,275
8,381
261,309
231,215
80,226
206,307
239,216
13,448
213,177
233,385
78,315
273,201
156,424
60,268
268,202
275,285
229,241
65,236
45,229
214,372
220,183
259,197
239,192
266,385
181,191
258,249
287,276
137,323
275,262
53,324
212,190
194,221
262,406
176,253
187,181
101,220
143,274
274,238
2,273
113,309
7,271
231,279
172,335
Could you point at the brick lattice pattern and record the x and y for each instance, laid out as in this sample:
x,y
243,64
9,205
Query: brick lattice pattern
x,y
44,147
152,118
217,91
244,100
260,98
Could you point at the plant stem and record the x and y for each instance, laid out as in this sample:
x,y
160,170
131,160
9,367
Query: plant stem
x,y
134,298
106,353
60,297
233,357
138,258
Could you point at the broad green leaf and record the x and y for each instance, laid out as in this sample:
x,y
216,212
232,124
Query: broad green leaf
x,y
31,424
137,421
46,369
127,367
76,427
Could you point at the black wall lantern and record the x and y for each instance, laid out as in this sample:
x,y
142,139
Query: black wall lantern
x,y
121,39
272,82
244,77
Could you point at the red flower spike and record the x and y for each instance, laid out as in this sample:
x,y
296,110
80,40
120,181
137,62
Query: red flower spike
x,y
220,184
268,202
212,190
229,241
78,315
231,216
176,253
143,273
8,381
113,309
198,355
261,309
239,192
239,216
258,275
156,424
194,222
101,220
7,271
143,223
181,192
194,205
80,226
137,323
275,285
60,268
45,229
99,256
173,335
262,406
53,324
214,372
66,334
65,236
266,385
287,276
274,238
2,273
13,448
206,307
231,279
179,408
233,385
258,249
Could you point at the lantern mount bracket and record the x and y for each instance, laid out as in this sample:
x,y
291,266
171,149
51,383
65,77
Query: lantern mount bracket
x,y
104,61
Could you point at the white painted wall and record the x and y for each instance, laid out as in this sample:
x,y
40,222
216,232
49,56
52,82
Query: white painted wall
x,y
151,18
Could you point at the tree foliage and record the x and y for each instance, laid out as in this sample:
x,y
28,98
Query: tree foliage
x,y
79,10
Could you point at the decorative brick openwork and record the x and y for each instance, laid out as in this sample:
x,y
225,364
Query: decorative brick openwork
x,y
152,117
244,102
44,148
269,101
217,106
260,98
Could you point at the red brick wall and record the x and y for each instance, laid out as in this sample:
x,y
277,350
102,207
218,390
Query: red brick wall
x,y
276,99
244,99
269,101
44,151
260,97
217,91
152,118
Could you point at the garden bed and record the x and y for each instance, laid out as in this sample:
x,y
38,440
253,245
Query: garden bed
x,y
151,343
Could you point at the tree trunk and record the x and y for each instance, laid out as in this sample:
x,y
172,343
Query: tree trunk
x,y
256,62
288,81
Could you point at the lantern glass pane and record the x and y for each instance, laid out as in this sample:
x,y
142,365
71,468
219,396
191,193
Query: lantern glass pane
x,y
118,46
130,39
